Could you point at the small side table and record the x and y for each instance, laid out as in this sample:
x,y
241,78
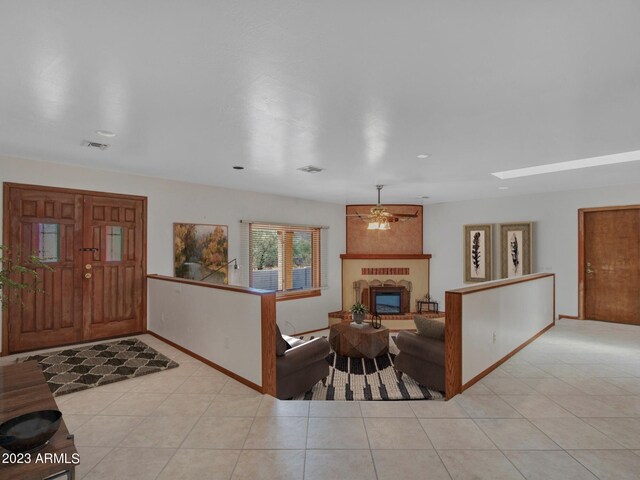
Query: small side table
x,y
432,306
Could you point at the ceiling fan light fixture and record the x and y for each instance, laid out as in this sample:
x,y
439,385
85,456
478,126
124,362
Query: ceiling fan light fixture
x,y
373,226
384,225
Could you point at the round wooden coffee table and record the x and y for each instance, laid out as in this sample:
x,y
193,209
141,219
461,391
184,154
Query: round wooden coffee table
x,y
359,342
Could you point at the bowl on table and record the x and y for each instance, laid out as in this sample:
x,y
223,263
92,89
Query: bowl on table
x,y
29,432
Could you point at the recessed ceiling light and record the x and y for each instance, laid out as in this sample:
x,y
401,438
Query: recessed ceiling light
x,y
423,155
570,165
105,133
238,167
503,188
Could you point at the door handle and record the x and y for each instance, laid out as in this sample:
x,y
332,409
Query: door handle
x,y
589,270
87,275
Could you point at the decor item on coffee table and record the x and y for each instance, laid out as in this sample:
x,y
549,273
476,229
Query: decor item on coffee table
x,y
358,311
79,368
362,379
477,253
364,342
515,249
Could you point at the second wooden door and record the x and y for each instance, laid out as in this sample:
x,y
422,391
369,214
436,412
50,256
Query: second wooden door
x,y
611,265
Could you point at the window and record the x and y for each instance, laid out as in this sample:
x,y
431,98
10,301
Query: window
x,y
48,242
114,244
285,258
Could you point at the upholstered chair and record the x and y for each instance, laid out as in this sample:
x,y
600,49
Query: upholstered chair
x,y
300,365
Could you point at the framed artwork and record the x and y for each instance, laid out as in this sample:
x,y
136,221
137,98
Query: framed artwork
x,y
477,253
515,249
200,252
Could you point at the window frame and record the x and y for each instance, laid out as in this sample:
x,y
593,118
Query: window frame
x,y
281,231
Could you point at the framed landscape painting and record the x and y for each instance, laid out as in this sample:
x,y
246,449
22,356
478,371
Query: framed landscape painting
x,y
515,249
477,253
200,252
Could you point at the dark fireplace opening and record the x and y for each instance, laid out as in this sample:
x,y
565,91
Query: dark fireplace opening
x,y
388,303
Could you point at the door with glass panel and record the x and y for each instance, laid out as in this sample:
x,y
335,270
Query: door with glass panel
x,y
94,246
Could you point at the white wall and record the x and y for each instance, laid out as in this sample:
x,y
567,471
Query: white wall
x,y
171,202
555,236
219,325
514,313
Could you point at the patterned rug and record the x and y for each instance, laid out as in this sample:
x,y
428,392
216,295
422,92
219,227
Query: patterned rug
x,y
365,379
79,368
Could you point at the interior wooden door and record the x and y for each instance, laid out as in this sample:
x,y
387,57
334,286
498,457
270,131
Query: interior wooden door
x,y
113,266
95,245
49,225
611,269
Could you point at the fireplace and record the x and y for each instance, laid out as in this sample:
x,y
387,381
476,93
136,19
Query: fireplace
x,y
388,300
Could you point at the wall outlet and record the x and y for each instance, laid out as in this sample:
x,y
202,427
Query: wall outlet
x,y
494,337
162,317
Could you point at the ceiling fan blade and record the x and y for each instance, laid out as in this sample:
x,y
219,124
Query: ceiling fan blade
x,y
407,215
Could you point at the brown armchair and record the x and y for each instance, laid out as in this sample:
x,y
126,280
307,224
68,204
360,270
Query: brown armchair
x,y
302,366
421,358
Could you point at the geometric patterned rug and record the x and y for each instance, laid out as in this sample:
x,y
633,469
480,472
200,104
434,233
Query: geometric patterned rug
x,y
367,379
79,368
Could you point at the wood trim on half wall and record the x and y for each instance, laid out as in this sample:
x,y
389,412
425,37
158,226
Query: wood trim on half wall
x,y
453,332
268,328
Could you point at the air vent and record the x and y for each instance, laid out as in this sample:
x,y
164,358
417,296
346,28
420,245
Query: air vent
x,y
310,169
101,146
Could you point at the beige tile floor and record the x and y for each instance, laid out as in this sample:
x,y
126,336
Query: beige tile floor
x,y
566,407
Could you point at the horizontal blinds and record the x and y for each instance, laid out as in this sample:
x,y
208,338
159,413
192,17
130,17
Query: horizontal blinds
x,y
283,257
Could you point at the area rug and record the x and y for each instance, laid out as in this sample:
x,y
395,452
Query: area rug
x,y
365,379
79,368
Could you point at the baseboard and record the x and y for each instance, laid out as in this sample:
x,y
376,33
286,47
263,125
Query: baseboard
x,y
487,371
229,373
569,317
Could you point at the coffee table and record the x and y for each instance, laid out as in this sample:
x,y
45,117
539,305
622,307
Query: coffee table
x,y
359,342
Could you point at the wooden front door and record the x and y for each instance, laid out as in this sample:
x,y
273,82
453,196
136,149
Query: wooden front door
x,y
611,264
95,247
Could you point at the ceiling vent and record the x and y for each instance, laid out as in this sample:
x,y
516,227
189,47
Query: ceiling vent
x,y
310,169
101,146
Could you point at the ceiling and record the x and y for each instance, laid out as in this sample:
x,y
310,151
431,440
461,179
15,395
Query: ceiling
x,y
359,88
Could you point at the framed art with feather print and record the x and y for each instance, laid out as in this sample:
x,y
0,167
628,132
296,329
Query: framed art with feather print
x,y
477,253
515,249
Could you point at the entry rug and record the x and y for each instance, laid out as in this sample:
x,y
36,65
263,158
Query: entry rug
x,y
365,379
79,368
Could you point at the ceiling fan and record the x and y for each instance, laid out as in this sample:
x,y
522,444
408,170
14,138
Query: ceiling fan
x,y
380,218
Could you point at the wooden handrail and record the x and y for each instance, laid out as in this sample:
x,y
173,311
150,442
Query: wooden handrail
x,y
499,283
232,288
385,256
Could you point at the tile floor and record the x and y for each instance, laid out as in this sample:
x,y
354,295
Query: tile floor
x,y
566,407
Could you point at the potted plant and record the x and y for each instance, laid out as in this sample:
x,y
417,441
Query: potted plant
x,y
13,271
358,311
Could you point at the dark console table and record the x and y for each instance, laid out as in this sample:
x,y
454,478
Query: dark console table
x,y
22,390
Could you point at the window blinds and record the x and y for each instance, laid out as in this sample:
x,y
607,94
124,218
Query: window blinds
x,y
283,257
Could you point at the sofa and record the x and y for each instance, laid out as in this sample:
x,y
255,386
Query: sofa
x,y
422,358
301,365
